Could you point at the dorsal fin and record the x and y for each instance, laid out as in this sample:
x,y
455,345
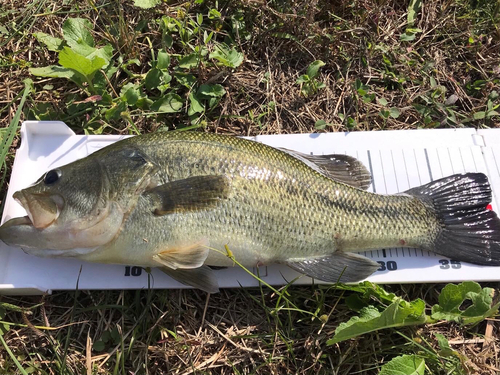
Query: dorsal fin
x,y
339,167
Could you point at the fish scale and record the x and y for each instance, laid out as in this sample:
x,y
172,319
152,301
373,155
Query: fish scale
x,y
277,192
175,200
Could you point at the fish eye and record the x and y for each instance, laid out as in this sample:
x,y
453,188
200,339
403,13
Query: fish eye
x,y
51,177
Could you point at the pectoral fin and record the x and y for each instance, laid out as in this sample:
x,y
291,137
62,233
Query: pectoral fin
x,y
189,194
339,167
343,267
202,278
183,257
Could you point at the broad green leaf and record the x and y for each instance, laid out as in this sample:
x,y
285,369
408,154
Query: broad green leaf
x,y
53,71
98,346
170,103
163,60
76,32
382,101
104,53
80,64
302,79
394,112
453,296
493,95
370,290
398,314
189,61
313,68
52,43
144,102
185,79
153,78
146,4
130,93
228,57
215,91
479,115
196,106
404,365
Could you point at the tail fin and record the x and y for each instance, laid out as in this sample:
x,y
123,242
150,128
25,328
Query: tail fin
x,y
470,232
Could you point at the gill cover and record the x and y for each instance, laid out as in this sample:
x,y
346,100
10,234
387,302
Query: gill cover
x,y
80,205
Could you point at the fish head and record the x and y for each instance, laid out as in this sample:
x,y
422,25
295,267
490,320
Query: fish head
x,y
76,208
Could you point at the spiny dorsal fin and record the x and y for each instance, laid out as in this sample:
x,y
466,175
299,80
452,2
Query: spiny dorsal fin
x,y
189,194
342,168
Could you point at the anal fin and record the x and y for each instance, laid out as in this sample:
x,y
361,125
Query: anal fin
x,y
343,267
202,278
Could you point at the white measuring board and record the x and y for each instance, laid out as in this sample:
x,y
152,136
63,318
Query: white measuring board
x,y
398,160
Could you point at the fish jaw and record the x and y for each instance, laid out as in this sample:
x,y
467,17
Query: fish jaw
x,y
72,239
42,210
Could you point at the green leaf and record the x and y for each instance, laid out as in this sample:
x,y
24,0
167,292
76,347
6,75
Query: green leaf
x,y
146,4
313,68
4,328
76,32
228,57
382,101
130,93
214,14
404,365
168,40
479,115
302,79
104,53
216,91
413,9
453,296
320,124
196,105
153,78
398,314
52,44
98,346
407,37
80,64
444,346
114,112
185,79
163,60
189,61
170,103
53,71
370,290
394,112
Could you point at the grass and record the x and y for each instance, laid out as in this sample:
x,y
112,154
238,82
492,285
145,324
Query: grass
x,y
242,68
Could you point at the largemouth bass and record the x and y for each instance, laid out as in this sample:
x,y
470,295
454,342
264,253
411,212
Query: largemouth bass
x,y
174,200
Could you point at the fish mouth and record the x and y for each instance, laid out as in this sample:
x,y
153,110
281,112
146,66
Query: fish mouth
x,y
18,221
42,210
